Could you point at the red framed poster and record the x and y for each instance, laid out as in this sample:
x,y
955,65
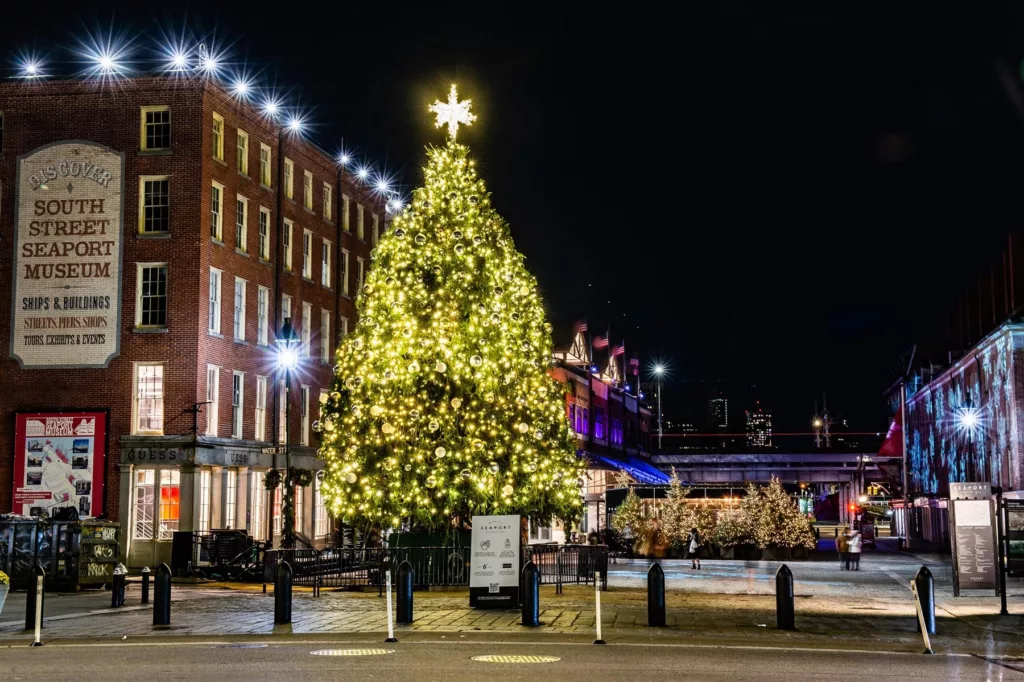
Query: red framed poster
x,y
59,462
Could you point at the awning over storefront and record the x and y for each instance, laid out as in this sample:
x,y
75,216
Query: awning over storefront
x,y
642,471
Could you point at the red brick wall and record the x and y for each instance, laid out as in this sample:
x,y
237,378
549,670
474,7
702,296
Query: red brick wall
x,y
36,114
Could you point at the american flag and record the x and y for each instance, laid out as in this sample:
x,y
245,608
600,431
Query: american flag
x,y
579,327
634,364
601,341
619,349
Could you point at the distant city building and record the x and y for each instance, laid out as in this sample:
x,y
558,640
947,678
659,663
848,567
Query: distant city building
x,y
759,428
718,411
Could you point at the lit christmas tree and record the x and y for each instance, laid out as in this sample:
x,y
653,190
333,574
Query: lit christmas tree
x,y
775,518
442,406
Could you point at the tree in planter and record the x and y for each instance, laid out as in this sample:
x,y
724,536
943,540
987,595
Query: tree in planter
x,y
775,518
629,520
677,517
731,531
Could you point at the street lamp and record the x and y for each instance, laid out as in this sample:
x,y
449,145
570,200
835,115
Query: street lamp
x,y
287,360
659,370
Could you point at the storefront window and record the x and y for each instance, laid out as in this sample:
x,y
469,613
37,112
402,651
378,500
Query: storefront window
x,y
144,503
300,507
230,498
204,500
277,510
258,505
321,509
170,501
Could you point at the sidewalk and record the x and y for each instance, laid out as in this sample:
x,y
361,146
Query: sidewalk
x,y
964,627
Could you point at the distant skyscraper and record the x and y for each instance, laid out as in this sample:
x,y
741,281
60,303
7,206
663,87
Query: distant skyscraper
x,y
759,428
718,412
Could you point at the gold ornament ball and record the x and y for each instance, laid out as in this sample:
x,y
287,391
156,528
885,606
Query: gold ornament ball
x,y
440,452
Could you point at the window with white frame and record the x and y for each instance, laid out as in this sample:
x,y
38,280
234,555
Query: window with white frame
x,y
325,336
300,508
156,128
320,525
307,254
263,316
218,136
151,295
304,434
264,233
212,400
360,231
144,495
217,212
169,503
261,408
154,204
149,399
289,172
205,494
344,213
307,190
359,274
240,286
237,398
242,152
282,392
342,328
325,264
286,308
344,271
328,207
214,301
287,244
264,165
230,498
376,230
257,505
241,223
307,327
276,511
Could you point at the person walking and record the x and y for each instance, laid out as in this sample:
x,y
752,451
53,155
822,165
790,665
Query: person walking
x,y
854,548
693,547
842,545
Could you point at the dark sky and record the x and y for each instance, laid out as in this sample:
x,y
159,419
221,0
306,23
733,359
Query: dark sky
x,y
775,194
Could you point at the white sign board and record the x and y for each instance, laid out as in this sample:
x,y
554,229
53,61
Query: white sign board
x,y
66,300
494,563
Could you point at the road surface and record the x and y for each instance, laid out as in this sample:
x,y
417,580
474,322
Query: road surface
x,y
444,659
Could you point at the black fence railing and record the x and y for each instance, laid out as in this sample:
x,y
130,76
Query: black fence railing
x,y
225,554
353,567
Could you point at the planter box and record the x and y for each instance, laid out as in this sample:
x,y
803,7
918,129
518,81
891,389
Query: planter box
x,y
777,554
799,552
728,552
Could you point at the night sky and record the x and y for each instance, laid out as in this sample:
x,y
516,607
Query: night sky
x,y
771,194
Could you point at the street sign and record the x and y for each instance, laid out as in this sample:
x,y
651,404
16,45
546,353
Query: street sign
x,y
273,451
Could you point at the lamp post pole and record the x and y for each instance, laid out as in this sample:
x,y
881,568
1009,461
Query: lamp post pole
x,y
659,370
287,356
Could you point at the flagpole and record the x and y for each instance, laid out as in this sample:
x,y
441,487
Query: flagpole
x,y
906,479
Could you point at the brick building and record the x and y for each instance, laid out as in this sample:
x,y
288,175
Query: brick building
x,y
612,425
154,234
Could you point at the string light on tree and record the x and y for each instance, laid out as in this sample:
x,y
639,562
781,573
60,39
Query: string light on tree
x,y
441,399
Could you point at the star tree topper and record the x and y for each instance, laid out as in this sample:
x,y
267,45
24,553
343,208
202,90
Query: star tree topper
x,y
452,113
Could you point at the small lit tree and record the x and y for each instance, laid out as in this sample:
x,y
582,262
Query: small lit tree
x,y
775,518
676,515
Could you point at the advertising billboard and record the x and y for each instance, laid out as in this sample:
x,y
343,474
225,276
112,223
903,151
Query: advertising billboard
x,y
59,462
494,564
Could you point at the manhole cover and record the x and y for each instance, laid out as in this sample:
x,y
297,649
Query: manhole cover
x,y
494,658
352,652
239,646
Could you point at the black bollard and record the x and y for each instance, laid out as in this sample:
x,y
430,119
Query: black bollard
x,y
145,585
283,593
531,595
162,596
656,596
784,611
926,593
117,587
404,593
31,595
837,532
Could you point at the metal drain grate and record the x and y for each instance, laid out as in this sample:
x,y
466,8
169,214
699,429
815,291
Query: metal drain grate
x,y
497,658
352,652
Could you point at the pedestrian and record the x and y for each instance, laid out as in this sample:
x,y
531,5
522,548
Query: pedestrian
x,y
694,546
842,545
854,549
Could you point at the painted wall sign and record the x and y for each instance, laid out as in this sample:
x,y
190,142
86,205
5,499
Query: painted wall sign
x,y
66,300
494,563
59,462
